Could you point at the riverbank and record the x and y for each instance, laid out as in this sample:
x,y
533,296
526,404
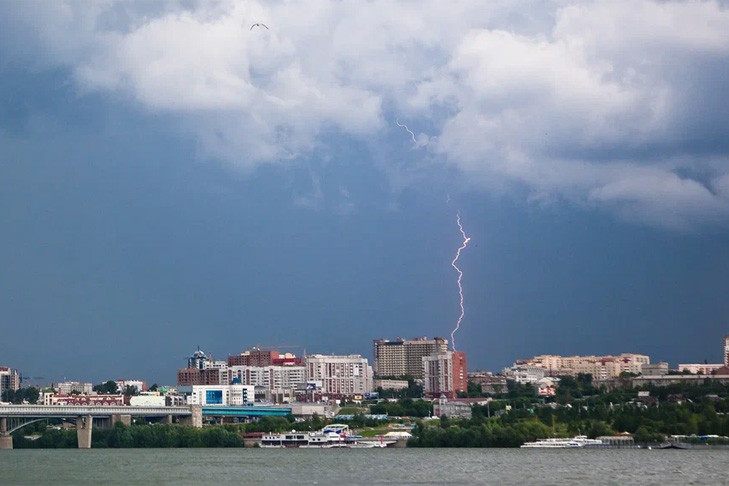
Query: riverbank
x,y
135,436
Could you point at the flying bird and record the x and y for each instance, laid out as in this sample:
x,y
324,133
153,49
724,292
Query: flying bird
x,y
259,25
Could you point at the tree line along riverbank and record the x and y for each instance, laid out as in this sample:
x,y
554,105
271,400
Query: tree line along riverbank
x,y
512,418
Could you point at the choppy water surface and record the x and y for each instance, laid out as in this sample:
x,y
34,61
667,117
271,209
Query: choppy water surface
x,y
402,466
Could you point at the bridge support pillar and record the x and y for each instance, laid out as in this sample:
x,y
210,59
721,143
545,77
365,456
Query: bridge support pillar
x,y
196,416
83,431
6,440
125,419
195,419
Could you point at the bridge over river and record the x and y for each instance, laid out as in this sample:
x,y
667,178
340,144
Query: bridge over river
x,y
15,417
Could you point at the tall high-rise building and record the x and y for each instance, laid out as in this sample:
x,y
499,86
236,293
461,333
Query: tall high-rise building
x,y
203,370
197,359
726,350
405,357
9,379
339,376
445,373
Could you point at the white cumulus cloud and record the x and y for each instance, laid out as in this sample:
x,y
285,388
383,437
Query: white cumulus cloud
x,y
621,105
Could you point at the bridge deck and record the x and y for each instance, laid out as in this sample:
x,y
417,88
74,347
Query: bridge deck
x,y
43,411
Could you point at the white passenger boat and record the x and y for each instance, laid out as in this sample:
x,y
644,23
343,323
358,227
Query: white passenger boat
x,y
330,437
554,443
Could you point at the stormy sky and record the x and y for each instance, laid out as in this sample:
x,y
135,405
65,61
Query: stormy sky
x,y
170,177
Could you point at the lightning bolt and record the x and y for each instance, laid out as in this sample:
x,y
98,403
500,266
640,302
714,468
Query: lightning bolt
x,y
466,239
408,130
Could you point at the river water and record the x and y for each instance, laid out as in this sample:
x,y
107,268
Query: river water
x,y
364,466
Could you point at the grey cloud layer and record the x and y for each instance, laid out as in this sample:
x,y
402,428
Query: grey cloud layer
x,y
617,104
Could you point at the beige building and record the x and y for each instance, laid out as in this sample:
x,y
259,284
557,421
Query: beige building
x,y
9,379
340,376
655,369
404,357
69,387
391,384
600,367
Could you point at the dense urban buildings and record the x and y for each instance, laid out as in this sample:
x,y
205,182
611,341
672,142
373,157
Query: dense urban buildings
x,y
445,374
282,377
600,367
404,357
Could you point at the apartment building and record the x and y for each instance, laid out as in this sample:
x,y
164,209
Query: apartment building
x,y
445,373
276,379
69,387
600,367
405,357
9,379
339,376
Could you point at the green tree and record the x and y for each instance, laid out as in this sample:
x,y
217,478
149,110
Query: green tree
x,y
108,388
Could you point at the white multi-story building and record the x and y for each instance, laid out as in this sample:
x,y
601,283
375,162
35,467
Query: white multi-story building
x,y
340,376
524,374
148,399
69,387
699,368
276,379
122,385
226,395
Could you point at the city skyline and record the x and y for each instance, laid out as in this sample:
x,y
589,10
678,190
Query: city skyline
x,y
171,178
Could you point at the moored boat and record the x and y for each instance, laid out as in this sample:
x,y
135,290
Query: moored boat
x,y
557,443
332,436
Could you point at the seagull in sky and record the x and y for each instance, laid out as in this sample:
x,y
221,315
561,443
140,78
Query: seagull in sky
x,y
259,25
